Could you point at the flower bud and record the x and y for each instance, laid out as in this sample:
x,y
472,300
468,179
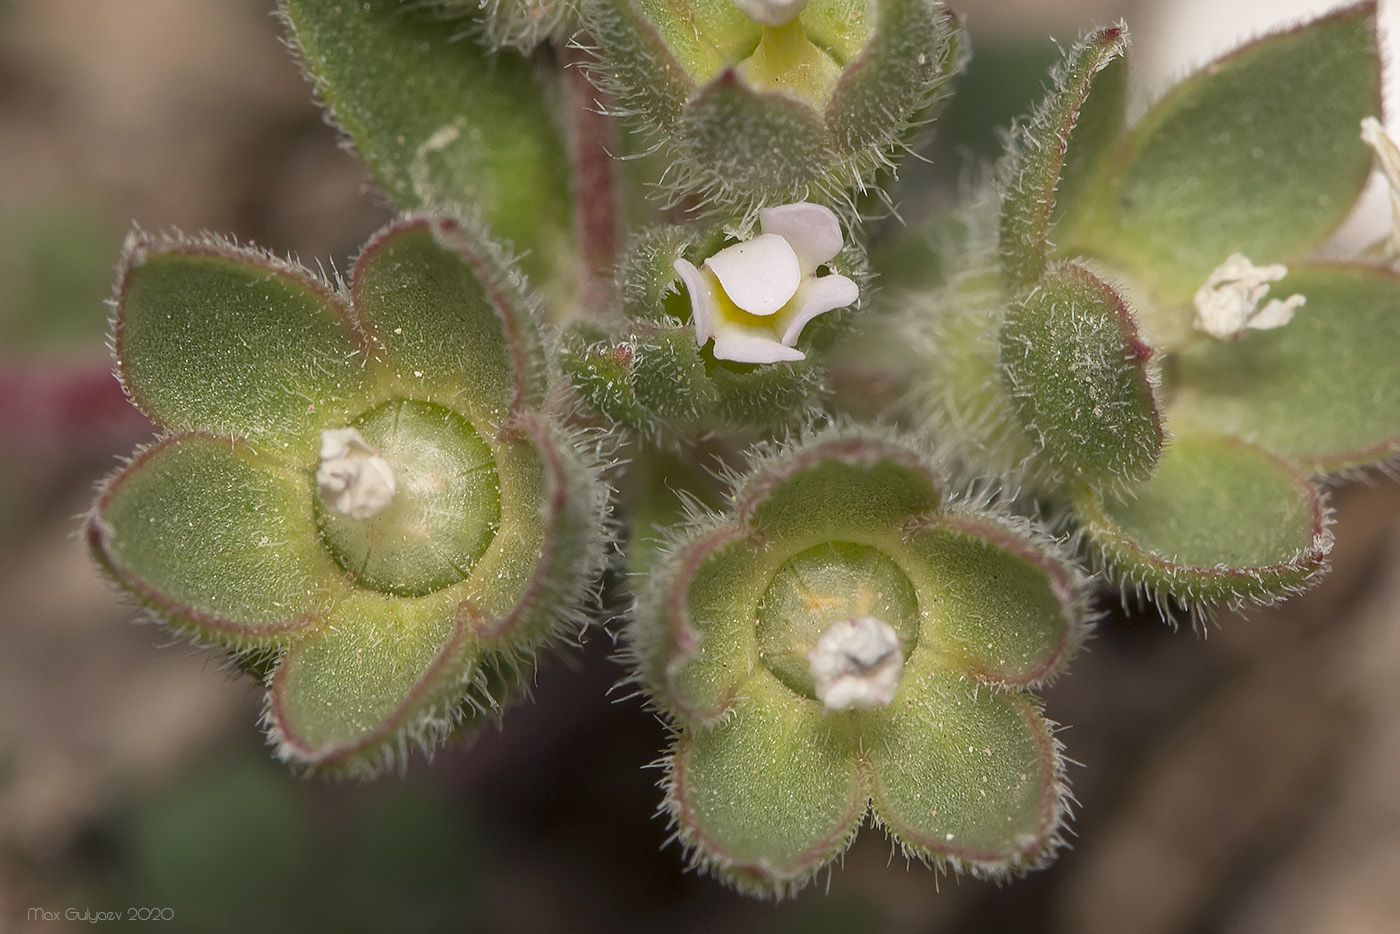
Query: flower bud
x,y
776,101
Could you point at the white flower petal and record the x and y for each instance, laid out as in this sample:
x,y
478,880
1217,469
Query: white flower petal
x,y
759,275
771,12
1373,134
815,297
812,230
702,303
1387,153
747,345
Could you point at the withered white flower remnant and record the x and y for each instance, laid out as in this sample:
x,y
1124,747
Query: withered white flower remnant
x,y
1229,302
354,481
857,665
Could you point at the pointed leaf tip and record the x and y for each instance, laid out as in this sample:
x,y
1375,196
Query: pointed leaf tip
x,y
1032,168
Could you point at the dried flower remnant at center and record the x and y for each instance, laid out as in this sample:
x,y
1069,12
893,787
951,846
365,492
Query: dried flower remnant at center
x,y
354,481
1229,302
755,297
857,665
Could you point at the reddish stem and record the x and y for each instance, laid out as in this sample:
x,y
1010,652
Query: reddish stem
x,y
592,138
70,403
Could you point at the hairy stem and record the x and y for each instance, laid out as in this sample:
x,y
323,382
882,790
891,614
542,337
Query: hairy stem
x,y
592,139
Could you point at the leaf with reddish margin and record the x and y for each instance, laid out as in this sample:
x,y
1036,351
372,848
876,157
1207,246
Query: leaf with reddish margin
x,y
769,795
452,324
996,602
1324,390
1221,521
968,776
217,539
1080,381
209,336
1257,153
387,672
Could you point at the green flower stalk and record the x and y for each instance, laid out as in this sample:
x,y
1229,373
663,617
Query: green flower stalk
x,y
365,493
845,642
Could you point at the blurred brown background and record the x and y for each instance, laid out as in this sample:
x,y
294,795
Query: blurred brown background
x,y
1242,780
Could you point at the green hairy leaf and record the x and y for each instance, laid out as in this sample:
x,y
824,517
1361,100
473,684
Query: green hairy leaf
x,y
440,122
1257,154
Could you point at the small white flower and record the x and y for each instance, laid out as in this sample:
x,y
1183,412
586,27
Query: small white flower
x,y
1229,301
1388,154
755,297
354,480
857,664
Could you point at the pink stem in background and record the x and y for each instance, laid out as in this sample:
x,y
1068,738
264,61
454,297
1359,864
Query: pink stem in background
x,y
68,404
592,138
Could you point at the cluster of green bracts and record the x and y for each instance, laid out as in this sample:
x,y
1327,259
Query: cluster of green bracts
x,y
844,642
1119,350
382,497
363,492
754,108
